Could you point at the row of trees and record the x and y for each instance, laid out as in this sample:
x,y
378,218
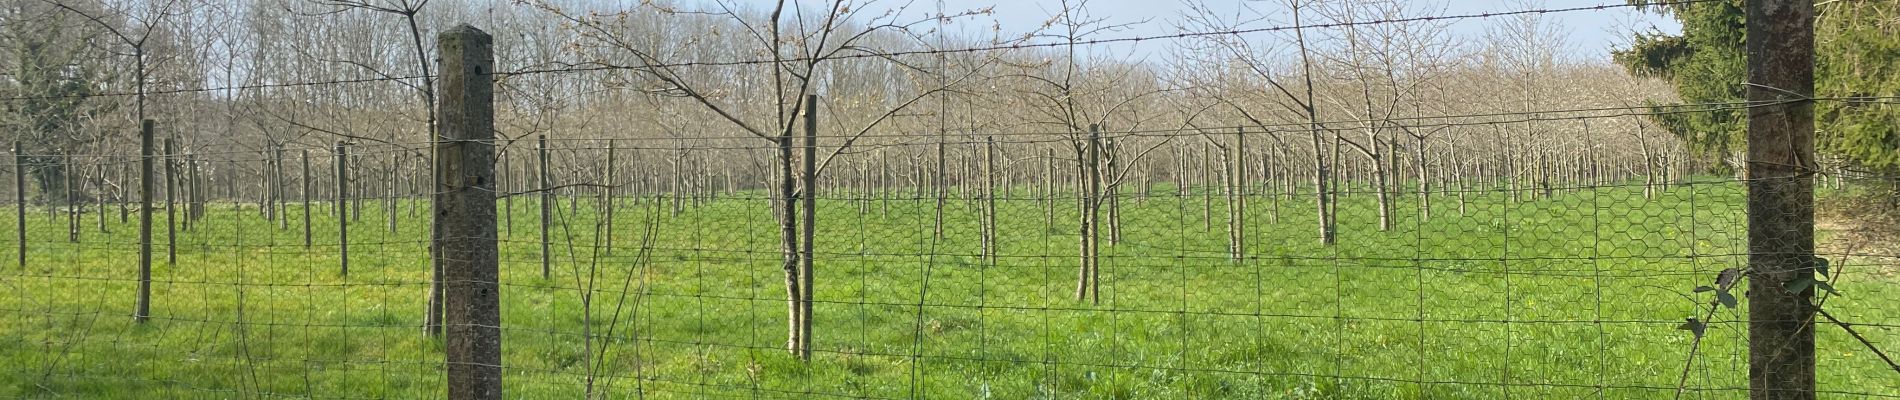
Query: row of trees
x,y
792,99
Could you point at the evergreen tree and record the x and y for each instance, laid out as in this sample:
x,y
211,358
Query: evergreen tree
x,y
1857,51
1858,55
1706,65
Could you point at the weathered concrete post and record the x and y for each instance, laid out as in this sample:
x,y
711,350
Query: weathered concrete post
x,y
465,214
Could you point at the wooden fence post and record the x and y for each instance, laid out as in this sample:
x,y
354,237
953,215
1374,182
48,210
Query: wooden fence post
x,y
989,200
123,211
1089,175
268,206
547,201
1112,190
1049,189
19,199
607,196
1780,178
171,214
507,184
465,214
355,180
189,185
343,206
389,191
1237,197
1095,214
196,210
277,186
304,154
143,308
72,196
810,223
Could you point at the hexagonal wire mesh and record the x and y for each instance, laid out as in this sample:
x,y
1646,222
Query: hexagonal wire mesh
x,y
662,273
1551,253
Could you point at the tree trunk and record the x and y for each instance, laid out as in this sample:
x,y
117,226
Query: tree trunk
x,y
788,243
1423,180
1236,197
810,225
989,201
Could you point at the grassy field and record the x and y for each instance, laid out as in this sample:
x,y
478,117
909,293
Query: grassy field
x,y
1577,295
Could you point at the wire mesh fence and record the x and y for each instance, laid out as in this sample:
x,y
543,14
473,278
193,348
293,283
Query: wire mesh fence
x,y
1545,245
960,266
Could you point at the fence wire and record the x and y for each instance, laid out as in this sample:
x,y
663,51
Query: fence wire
x,y
942,267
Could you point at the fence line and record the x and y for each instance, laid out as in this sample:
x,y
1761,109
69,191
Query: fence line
x,y
1609,256
1137,262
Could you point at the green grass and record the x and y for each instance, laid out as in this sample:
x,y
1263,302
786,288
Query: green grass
x,y
1577,295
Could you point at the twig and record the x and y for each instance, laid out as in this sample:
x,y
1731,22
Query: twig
x,y
1682,383
1863,339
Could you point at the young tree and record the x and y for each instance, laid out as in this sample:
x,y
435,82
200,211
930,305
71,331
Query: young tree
x,y
802,48
1246,59
1079,100
407,10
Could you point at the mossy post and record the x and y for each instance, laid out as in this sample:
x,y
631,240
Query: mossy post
x,y
465,213
1780,178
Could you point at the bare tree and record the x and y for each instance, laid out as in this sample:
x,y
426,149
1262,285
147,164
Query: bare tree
x,y
407,10
1236,57
802,46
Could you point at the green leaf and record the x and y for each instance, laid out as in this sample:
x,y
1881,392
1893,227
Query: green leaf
x,y
1726,299
1799,285
1727,278
1820,266
1826,287
1700,289
1693,325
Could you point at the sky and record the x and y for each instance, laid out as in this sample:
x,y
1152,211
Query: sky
x,y
1592,33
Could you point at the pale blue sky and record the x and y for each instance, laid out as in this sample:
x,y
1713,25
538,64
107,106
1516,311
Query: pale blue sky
x,y
1592,33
